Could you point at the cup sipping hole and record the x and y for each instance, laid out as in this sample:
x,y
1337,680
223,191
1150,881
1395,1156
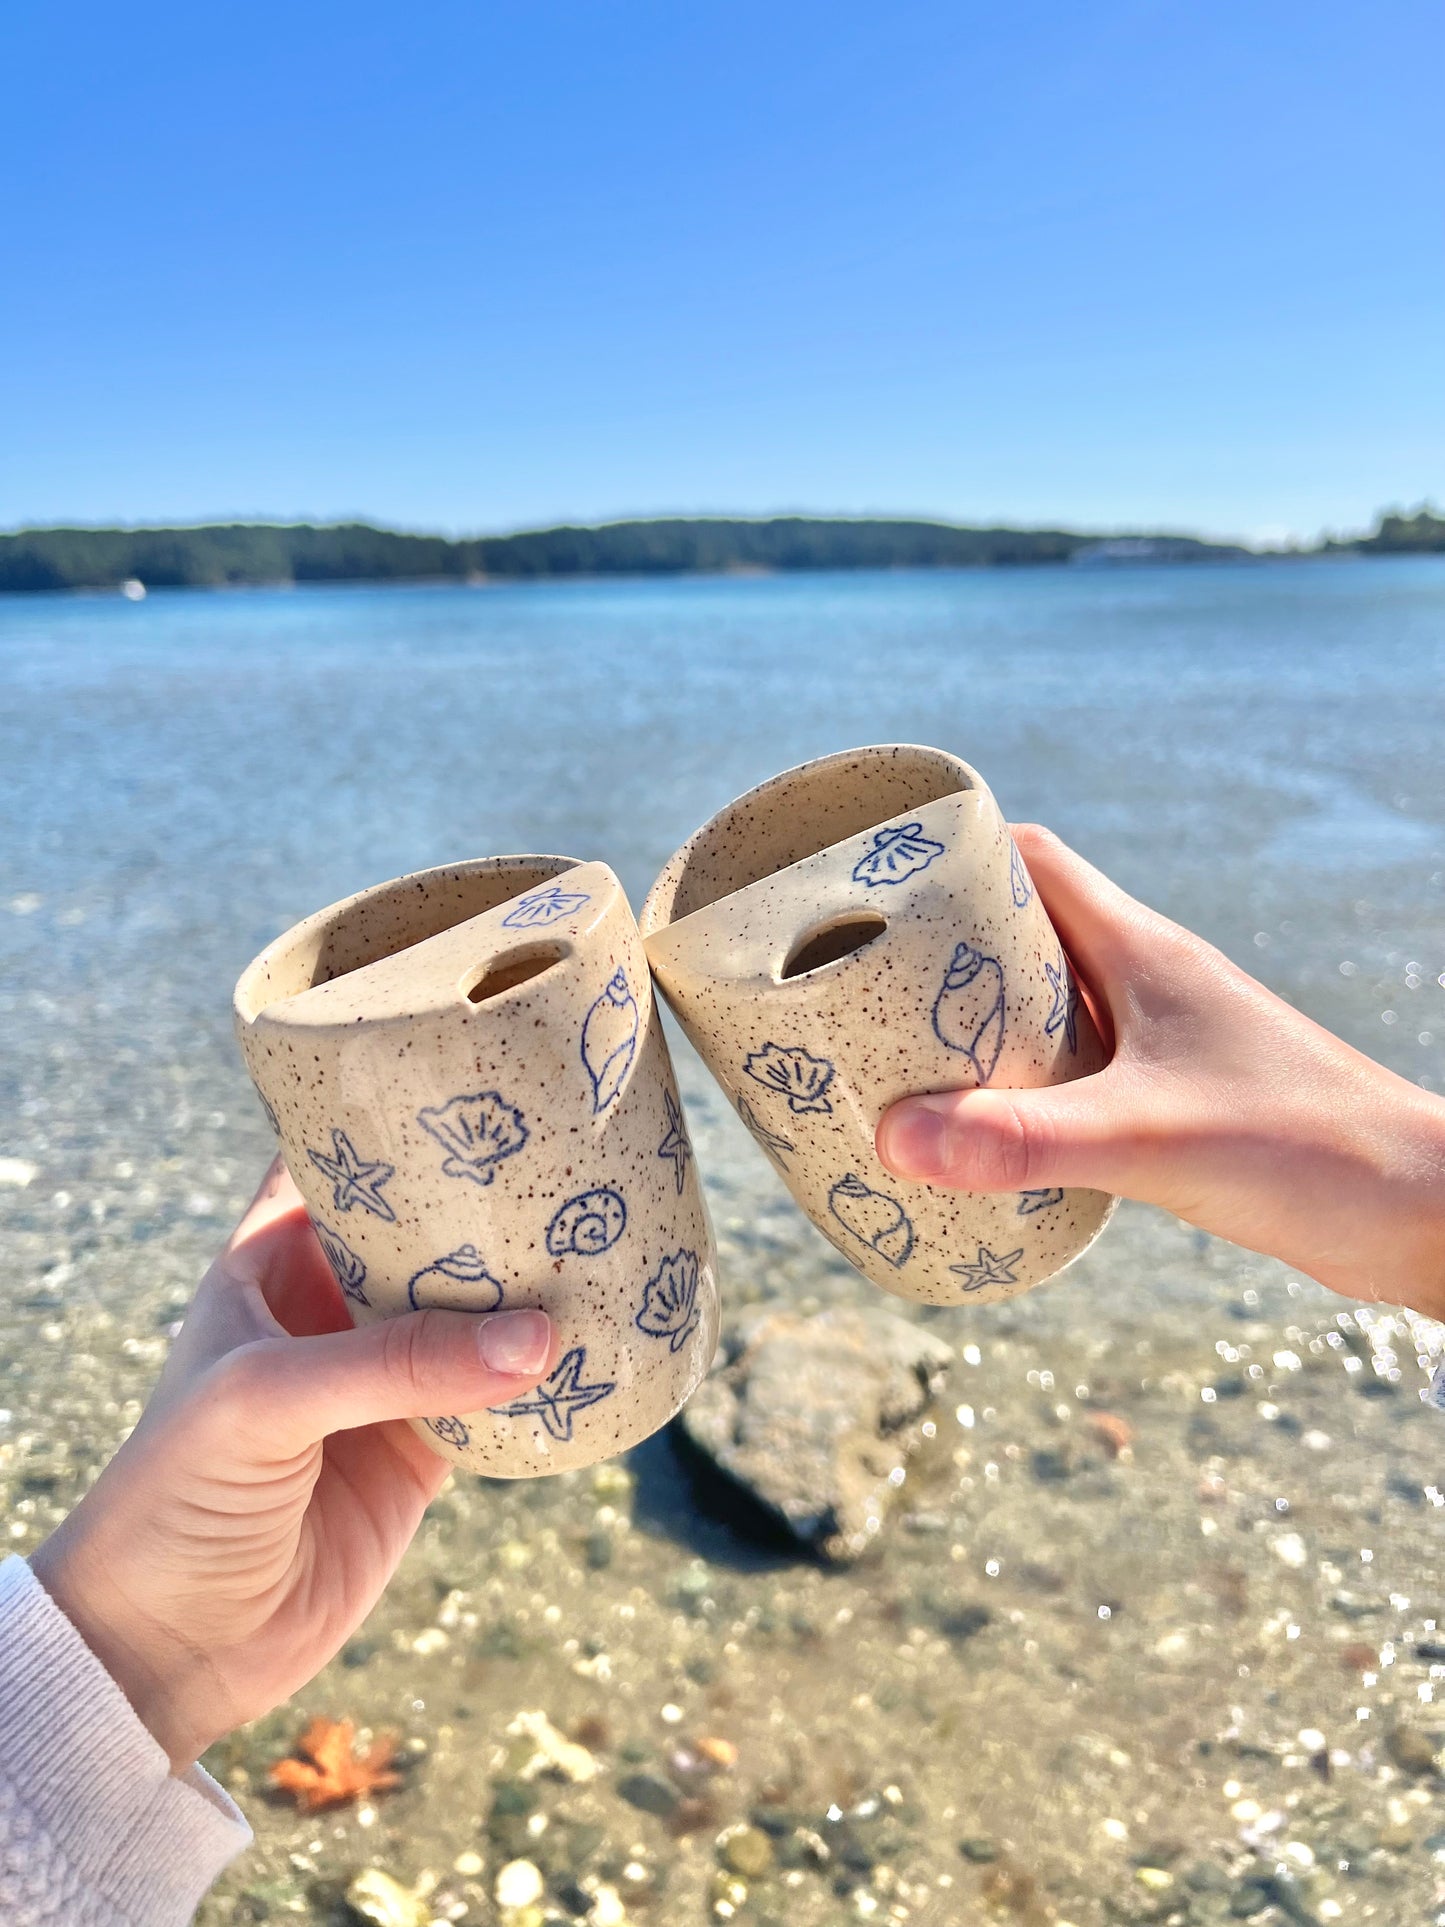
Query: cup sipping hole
x,y
517,967
831,942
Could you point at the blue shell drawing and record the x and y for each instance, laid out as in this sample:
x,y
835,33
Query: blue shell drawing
x,y
558,1399
591,1222
988,1269
464,1266
676,1144
669,1301
897,853
450,1430
269,1108
476,1133
1064,1015
348,1270
775,1146
1021,884
609,1040
794,1073
873,1218
968,1012
544,906
353,1180
1032,1201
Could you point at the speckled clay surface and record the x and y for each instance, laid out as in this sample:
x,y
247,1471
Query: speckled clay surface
x,y
469,1079
959,980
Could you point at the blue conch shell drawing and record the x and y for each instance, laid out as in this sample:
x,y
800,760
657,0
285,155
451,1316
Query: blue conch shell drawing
x,y
897,853
590,1223
432,1285
799,1076
968,1012
873,1218
609,1040
1021,884
476,1133
669,1301
544,906
451,1431
348,1270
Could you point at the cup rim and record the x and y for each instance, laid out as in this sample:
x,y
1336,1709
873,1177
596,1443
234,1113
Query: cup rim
x,y
312,932
667,904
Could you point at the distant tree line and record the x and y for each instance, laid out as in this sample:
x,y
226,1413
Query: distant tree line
x,y
254,552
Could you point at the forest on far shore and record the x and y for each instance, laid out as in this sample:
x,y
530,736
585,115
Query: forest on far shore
x,y
237,553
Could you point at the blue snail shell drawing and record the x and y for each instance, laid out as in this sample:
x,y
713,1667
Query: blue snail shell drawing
x,y
794,1073
968,1012
590,1223
669,1301
541,907
873,1218
476,1133
897,853
609,1040
450,1431
348,1270
479,1291
1021,884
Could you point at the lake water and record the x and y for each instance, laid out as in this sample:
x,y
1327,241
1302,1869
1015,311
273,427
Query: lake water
x,y
1095,1672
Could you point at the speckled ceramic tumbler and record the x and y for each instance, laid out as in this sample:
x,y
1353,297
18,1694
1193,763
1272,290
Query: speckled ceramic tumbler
x,y
468,1076
855,931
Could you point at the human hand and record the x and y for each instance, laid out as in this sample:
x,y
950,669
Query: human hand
x,y
251,1520
1221,1102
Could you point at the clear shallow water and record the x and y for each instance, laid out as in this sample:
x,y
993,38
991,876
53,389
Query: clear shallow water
x,y
1254,749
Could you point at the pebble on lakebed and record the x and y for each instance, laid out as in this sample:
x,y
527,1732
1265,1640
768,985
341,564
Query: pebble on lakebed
x,y
812,1417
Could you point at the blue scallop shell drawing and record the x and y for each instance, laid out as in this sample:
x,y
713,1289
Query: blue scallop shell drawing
x,y
669,1301
776,1147
1032,1201
435,1284
476,1133
794,1073
348,1270
609,1040
541,907
676,1144
873,1218
450,1431
590,1223
1064,1015
1021,884
558,1399
897,853
968,1012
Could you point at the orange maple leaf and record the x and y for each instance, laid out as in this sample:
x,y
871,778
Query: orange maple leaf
x,y
332,1771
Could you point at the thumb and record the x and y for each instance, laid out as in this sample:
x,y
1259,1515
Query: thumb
x,y
979,1140
288,1393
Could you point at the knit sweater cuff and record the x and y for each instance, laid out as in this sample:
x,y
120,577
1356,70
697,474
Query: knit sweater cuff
x,y
88,1777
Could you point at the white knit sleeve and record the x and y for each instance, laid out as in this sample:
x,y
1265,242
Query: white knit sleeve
x,y
95,1829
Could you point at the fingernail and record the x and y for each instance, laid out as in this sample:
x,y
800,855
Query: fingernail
x,y
913,1141
515,1341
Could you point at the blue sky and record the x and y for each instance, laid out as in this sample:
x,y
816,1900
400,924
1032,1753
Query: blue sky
x,y
490,263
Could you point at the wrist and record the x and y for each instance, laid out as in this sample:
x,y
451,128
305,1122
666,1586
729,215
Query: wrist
x,y
153,1669
1404,1262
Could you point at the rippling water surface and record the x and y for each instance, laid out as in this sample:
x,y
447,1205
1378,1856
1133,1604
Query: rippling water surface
x,y
1094,1671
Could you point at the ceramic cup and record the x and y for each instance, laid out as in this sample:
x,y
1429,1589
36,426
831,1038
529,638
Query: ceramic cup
x,y
855,931
468,1076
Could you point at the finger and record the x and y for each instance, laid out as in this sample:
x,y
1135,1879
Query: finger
x,y
284,1395
276,1196
1103,929
1086,1132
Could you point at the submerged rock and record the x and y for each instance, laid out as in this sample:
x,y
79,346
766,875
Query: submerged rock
x,y
812,1418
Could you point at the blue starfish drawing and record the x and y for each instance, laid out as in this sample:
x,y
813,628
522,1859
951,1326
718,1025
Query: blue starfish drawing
x,y
1064,1014
558,1399
988,1269
769,1141
675,1144
353,1180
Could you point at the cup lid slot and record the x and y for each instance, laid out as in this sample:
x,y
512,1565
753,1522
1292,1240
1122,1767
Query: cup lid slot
x,y
830,942
500,974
